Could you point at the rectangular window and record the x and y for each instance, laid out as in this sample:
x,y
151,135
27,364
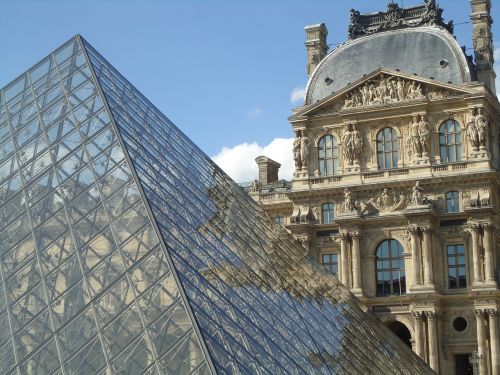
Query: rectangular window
x,y
331,263
457,277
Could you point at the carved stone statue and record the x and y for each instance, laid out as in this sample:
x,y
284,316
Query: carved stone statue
x,y
424,133
256,186
296,152
482,128
304,151
473,134
415,138
477,130
349,205
400,89
416,195
352,144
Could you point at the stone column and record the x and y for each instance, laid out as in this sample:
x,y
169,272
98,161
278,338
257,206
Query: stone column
x,y
494,342
418,316
344,248
481,342
489,262
415,256
427,252
478,274
356,262
433,340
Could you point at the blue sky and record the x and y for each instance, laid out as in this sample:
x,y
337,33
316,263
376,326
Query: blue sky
x,y
223,71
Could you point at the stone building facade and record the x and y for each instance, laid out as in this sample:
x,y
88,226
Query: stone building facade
x,y
396,182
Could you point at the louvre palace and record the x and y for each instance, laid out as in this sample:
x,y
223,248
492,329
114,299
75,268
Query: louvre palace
x,y
396,181
125,250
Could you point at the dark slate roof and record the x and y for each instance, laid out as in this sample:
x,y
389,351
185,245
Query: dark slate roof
x,y
428,51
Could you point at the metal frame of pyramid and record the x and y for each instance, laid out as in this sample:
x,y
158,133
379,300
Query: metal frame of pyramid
x,y
125,250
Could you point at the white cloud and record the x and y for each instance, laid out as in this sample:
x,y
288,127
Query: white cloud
x,y
256,112
239,161
496,55
298,95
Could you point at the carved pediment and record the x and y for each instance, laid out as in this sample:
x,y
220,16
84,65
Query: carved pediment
x,y
383,88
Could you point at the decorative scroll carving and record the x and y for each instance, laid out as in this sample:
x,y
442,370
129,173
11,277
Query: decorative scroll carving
x,y
389,201
482,41
352,144
477,129
395,18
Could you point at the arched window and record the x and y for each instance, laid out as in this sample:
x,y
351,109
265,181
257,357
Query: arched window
x,y
452,201
328,213
390,269
328,156
450,142
387,149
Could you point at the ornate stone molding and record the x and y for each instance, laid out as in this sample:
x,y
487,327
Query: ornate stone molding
x,y
426,14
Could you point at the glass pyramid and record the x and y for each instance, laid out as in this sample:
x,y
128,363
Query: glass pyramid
x,y
125,250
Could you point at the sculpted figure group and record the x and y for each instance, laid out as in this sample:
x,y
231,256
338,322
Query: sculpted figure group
x,y
477,130
352,143
384,90
420,134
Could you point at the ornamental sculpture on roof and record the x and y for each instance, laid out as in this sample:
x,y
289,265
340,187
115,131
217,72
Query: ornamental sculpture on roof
x,y
426,14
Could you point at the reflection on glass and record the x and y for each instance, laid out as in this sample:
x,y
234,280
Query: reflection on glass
x,y
125,250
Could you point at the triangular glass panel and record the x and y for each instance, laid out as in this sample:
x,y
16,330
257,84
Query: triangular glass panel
x,y
126,250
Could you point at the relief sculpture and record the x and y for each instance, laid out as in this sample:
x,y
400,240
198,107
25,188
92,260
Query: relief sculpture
x,y
384,90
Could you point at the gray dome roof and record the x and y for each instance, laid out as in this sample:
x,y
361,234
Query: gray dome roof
x,y
426,51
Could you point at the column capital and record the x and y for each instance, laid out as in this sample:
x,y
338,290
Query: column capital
x,y
417,315
480,313
425,228
492,313
431,315
473,227
487,226
413,230
355,235
344,235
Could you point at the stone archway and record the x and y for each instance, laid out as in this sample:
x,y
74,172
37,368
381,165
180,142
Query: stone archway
x,y
401,331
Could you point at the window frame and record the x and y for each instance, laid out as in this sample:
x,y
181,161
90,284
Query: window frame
x,y
391,271
278,221
333,160
330,211
448,146
456,265
334,262
455,201
387,149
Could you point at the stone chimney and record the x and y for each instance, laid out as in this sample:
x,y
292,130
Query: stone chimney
x,y
316,45
482,39
268,170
